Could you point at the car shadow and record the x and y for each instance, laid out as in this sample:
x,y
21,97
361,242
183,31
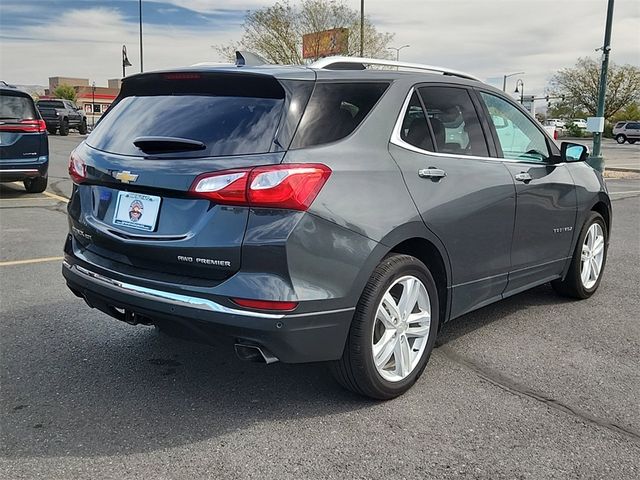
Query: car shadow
x,y
89,386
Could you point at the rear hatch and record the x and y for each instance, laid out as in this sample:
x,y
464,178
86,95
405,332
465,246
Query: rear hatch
x,y
49,108
135,170
22,135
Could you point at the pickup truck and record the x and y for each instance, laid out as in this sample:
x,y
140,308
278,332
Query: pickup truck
x,y
61,115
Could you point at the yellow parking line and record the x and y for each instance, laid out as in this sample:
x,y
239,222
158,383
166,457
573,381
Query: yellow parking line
x,y
31,260
57,197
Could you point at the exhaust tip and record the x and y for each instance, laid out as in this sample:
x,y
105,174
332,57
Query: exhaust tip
x,y
253,353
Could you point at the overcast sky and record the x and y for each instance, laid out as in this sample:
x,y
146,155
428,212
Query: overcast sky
x,y
488,38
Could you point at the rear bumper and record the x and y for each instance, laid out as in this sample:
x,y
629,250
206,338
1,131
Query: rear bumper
x,y
52,122
12,171
292,338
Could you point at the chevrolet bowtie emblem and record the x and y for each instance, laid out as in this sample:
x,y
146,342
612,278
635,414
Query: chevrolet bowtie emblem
x,y
125,176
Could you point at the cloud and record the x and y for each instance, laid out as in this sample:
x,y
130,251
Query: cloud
x,y
487,38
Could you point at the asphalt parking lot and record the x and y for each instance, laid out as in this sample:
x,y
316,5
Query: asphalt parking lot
x,y
536,386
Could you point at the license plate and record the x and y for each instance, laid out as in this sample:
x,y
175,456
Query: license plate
x,y
136,210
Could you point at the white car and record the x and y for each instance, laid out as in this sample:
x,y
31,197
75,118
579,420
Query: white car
x,y
555,122
581,123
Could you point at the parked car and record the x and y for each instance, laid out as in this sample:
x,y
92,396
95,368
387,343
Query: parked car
x,y
24,146
581,123
326,213
62,115
555,122
628,131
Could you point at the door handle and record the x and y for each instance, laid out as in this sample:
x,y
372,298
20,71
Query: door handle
x,y
432,172
523,177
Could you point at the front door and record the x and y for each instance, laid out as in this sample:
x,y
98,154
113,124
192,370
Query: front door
x,y
546,198
466,198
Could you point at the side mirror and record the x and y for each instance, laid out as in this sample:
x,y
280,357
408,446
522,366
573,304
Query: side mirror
x,y
573,152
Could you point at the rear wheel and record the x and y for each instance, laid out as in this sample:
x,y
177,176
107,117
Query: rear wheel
x,y
589,258
64,127
393,330
36,185
632,142
620,139
82,129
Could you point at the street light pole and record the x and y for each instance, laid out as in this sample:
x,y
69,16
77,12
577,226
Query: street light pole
x,y
596,160
504,79
140,16
362,28
398,51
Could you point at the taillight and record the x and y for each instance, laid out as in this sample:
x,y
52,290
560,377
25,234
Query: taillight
x,y
25,126
265,304
77,168
290,186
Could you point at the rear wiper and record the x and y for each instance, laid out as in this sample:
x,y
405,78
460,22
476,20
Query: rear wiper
x,y
167,144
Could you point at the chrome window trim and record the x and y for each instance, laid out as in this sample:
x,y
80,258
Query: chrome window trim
x,y
396,140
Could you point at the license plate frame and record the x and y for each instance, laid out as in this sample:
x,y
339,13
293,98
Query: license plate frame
x,y
137,210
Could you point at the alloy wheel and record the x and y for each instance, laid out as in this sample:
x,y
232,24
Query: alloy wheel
x,y
401,328
592,256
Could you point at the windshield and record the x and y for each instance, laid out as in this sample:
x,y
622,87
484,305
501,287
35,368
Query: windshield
x,y
50,104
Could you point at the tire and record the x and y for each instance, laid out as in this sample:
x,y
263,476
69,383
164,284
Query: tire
x,y
573,284
356,370
82,129
620,139
632,142
52,130
36,185
64,127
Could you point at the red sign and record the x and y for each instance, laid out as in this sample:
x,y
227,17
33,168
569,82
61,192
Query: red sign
x,y
326,43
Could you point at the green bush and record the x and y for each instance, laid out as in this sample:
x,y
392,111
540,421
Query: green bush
x,y
573,130
608,130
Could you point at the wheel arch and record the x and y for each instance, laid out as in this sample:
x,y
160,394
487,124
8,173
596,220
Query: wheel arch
x,y
603,209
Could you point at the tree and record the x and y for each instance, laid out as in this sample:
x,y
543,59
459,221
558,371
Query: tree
x,y
276,32
579,85
65,91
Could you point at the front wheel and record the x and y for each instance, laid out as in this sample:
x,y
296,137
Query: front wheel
x,y
587,263
620,139
393,330
64,128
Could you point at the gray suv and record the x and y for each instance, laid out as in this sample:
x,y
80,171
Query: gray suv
x,y
627,132
331,213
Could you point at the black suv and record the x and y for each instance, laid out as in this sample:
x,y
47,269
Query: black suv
x,y
62,115
24,146
326,213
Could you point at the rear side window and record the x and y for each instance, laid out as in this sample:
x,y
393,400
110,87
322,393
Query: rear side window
x,y
454,121
16,107
415,130
335,110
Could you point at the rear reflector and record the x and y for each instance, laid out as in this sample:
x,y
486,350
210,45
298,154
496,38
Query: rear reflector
x,y
77,168
25,126
290,186
265,304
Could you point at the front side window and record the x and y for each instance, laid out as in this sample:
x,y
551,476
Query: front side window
x,y
518,135
454,121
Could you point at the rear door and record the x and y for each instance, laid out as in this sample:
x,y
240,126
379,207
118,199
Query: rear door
x,y
464,196
546,198
165,130
21,140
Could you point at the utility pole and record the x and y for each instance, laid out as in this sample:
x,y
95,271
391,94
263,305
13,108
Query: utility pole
x,y
596,160
362,28
140,16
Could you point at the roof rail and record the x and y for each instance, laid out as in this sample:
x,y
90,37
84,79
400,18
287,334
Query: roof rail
x,y
358,63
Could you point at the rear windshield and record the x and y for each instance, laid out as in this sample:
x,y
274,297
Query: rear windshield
x,y
16,107
335,110
50,104
227,125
